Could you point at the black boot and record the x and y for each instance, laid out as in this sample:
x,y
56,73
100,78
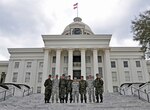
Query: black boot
x,y
97,100
101,97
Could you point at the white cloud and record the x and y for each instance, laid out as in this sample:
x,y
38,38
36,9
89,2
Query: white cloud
x,y
24,21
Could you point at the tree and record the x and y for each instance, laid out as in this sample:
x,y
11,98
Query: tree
x,y
141,29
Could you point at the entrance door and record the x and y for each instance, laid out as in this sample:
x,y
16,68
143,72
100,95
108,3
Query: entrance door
x,y
77,74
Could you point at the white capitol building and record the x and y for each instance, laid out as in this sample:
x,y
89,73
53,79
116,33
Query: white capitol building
x,y
77,51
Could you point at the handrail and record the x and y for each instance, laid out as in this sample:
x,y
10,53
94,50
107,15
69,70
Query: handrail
x,y
16,85
29,89
144,85
129,84
5,93
4,86
122,90
24,85
139,93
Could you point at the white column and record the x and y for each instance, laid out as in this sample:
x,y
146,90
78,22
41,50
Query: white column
x,y
108,74
70,63
121,76
95,62
144,70
83,66
9,74
21,72
132,72
45,69
58,53
34,75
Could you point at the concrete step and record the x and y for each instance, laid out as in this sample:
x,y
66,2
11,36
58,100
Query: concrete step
x,y
112,101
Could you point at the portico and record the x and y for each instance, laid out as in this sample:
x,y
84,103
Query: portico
x,y
76,62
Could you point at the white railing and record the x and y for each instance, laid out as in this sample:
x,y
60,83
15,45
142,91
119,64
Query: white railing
x,y
135,90
6,94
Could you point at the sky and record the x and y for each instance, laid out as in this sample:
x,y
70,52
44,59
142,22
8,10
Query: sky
x,y
22,22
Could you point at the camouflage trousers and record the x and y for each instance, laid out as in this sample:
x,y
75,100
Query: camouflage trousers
x,y
55,95
62,94
91,95
75,95
69,93
47,94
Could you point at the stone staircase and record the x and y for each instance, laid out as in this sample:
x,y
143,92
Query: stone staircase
x,y
112,101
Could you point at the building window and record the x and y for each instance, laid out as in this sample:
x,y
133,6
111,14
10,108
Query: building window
x,y
88,59
127,76
40,77
140,76
29,64
113,64
100,71
114,76
40,64
16,65
125,63
38,89
54,59
65,71
27,77
99,59
53,72
115,88
65,59
88,71
138,64
15,75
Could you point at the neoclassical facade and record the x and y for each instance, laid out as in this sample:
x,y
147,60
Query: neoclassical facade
x,y
77,52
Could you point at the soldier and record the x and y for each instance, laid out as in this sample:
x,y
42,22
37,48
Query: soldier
x,y
75,90
98,84
62,88
48,89
90,89
82,89
69,89
55,90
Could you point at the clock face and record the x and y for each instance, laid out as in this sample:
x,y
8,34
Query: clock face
x,y
77,31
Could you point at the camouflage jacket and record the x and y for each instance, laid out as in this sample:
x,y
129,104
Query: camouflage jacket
x,y
82,86
55,83
98,83
62,83
75,86
90,84
69,85
48,84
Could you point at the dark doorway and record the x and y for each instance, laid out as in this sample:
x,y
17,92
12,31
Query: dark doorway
x,y
77,74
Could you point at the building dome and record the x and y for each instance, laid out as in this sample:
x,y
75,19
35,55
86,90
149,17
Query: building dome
x,y
77,27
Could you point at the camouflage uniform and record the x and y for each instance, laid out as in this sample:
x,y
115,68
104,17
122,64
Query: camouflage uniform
x,y
55,90
62,89
82,90
48,89
75,90
90,90
98,84
69,90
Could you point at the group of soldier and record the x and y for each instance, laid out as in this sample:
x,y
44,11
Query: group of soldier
x,y
60,90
